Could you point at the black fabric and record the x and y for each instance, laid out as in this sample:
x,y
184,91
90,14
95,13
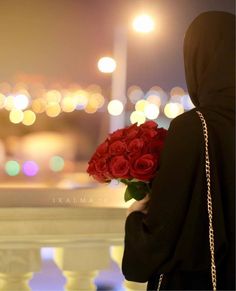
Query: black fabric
x,y
209,56
173,237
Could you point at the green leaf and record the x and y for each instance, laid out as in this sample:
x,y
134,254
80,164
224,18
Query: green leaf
x,y
125,181
128,195
136,190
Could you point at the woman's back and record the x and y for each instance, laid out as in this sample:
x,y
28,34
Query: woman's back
x,y
173,237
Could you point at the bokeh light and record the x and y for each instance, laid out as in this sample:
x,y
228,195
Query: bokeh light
x,y
151,111
154,99
53,96
172,110
53,109
29,117
115,107
82,101
68,104
158,91
16,116
140,105
38,105
137,117
56,163
107,65
90,109
21,101
9,103
96,100
135,93
176,94
30,168
177,91
12,168
143,23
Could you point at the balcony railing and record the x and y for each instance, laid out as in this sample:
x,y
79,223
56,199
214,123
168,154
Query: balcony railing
x,y
85,226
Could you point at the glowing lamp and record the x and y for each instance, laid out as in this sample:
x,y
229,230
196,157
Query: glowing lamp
x,y
143,23
107,65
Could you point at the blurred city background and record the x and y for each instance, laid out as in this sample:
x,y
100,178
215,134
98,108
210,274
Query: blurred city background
x,y
56,105
71,71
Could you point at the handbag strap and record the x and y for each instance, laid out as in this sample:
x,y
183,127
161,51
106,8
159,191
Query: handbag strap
x,y
209,201
209,207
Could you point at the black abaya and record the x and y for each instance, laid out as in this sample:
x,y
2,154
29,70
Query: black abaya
x,y
172,238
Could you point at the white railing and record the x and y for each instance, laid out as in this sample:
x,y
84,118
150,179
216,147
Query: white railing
x,y
81,225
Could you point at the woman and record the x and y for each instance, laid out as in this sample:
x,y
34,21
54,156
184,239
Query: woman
x,y
169,233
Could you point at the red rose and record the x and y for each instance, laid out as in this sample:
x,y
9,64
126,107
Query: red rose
x,y
119,167
149,124
116,135
132,132
117,148
149,133
96,175
101,165
102,148
144,167
129,153
136,145
91,168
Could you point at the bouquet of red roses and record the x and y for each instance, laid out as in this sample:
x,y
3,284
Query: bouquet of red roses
x,y
130,155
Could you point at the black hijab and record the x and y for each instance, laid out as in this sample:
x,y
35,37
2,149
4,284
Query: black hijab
x,y
209,55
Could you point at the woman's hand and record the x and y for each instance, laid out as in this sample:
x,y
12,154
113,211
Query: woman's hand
x,y
141,205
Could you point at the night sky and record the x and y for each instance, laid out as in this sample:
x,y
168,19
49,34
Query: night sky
x,y
61,40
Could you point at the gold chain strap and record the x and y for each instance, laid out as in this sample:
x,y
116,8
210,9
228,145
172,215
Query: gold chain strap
x,y
160,281
209,207
209,202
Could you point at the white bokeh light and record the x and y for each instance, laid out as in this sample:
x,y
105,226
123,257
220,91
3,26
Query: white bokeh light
x,y
151,111
107,65
21,102
143,23
137,117
16,116
172,110
115,107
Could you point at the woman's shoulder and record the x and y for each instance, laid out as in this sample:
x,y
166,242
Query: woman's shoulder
x,y
188,121
186,128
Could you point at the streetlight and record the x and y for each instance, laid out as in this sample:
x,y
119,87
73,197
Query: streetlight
x,y
143,23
